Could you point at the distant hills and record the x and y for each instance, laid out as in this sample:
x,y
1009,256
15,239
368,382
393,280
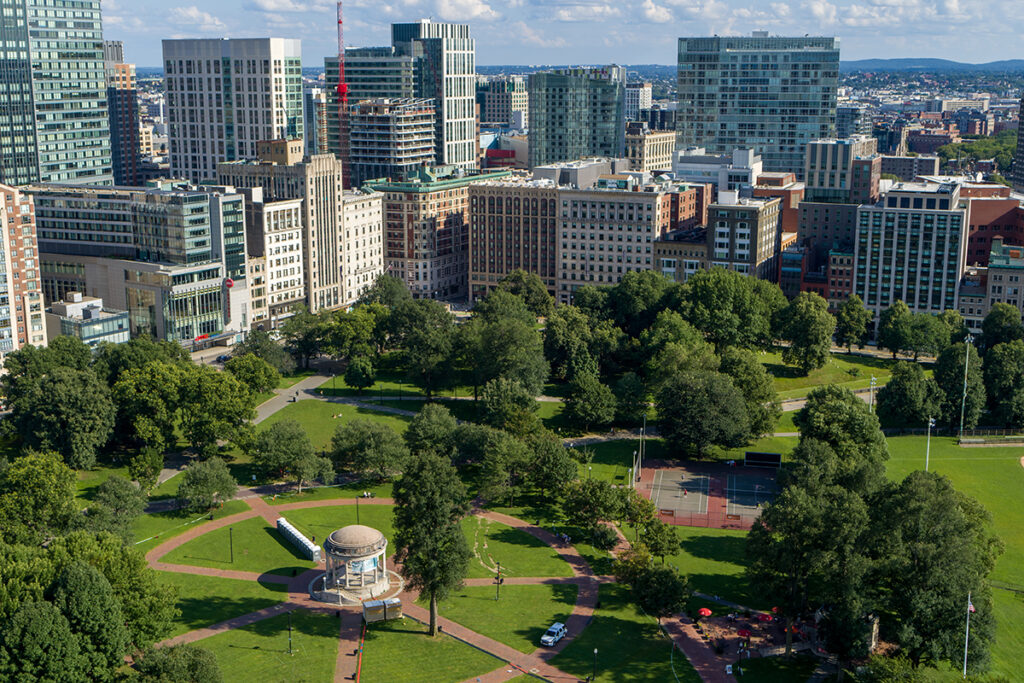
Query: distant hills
x,y
929,64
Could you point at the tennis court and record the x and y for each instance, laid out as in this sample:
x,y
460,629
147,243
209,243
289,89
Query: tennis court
x,y
680,491
746,493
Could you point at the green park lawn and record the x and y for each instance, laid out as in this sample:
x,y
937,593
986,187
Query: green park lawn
x,y
257,548
90,480
851,372
207,600
519,553
785,422
630,645
390,383
715,563
518,618
320,521
402,652
778,669
334,492
320,419
293,378
154,528
259,651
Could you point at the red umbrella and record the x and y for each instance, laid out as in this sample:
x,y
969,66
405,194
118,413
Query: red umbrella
x,y
743,633
704,612
775,610
764,617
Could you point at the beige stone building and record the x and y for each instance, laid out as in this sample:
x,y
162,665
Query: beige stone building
x,y
744,234
648,150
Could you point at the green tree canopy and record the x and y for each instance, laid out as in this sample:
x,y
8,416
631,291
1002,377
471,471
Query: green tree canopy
x,y
212,406
112,360
1004,382
304,334
909,399
425,332
730,308
387,290
430,501
38,645
259,343
87,601
660,538
206,484
1001,325
590,402
701,409
431,431
949,375
636,300
531,289
360,373
894,331
369,448
254,372
504,468
852,320
756,386
661,591
37,499
178,663
116,506
591,502
631,402
552,469
285,448
808,326
506,404
148,400
928,334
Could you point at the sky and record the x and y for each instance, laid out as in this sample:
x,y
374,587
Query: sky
x,y
584,31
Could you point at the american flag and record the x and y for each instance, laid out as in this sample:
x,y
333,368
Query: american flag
x,y
970,606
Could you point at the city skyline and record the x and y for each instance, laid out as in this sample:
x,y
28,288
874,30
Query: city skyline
x,y
560,32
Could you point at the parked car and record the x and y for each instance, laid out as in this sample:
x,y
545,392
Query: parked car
x,y
223,358
553,634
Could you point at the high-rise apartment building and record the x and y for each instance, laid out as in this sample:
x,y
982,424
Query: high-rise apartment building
x,y
513,225
744,234
576,113
853,119
22,319
342,231
427,229
123,111
314,120
773,94
53,116
1017,169
911,246
844,170
225,96
638,98
502,98
172,256
390,138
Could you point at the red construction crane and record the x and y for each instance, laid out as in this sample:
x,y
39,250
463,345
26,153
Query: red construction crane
x,y
342,106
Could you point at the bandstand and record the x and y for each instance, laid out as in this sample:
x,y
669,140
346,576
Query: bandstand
x,y
357,570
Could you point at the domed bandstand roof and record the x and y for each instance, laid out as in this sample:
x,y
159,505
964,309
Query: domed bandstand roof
x,y
355,540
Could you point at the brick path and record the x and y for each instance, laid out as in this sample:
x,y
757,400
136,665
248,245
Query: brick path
x,y
348,646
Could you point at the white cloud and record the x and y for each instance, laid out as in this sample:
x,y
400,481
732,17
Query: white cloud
x,y
823,11
586,12
465,10
780,9
656,13
193,16
530,36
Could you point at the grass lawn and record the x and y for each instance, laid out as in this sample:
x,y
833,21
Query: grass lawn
x,y
206,600
263,397
778,669
339,492
714,561
389,383
90,480
166,489
319,421
519,553
402,652
518,618
993,476
319,522
612,459
785,422
257,548
259,652
294,378
154,528
851,372
630,645
769,444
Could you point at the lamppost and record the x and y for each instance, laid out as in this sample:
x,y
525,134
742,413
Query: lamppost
x,y
497,583
928,442
231,542
630,477
289,632
871,395
589,469
595,664
963,401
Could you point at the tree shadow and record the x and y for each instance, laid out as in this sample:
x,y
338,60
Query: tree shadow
x,y
719,548
213,609
282,542
512,536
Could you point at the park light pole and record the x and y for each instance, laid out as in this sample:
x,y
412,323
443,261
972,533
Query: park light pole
x,y
497,583
231,542
928,442
589,469
963,401
595,664
289,632
871,395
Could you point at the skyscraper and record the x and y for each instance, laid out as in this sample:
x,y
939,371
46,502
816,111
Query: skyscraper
x,y
224,96
390,138
1017,169
53,118
773,94
123,109
21,297
576,113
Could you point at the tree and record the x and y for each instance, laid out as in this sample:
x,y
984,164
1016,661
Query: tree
x,y
118,503
894,328
590,502
553,469
531,289
501,304
507,405
425,332
909,399
387,290
87,601
503,469
928,335
206,484
178,663
38,645
213,406
672,345
112,360
259,343
593,301
1001,325
840,442
661,591
303,335
700,409
369,448
1004,382
68,411
632,563
431,431
935,546
145,467
360,373
589,402
630,399
949,375
430,501
567,336
852,320
254,372
660,538
148,400
638,511
730,308
634,302
37,499
954,322
808,326
510,345
285,448
756,386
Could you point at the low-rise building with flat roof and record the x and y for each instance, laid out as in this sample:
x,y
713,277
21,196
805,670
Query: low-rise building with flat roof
x,y
87,319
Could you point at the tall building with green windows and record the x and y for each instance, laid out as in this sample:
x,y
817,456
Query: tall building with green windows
x,y
225,96
53,102
769,93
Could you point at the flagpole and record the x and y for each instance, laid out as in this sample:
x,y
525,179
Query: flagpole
x,y
967,632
